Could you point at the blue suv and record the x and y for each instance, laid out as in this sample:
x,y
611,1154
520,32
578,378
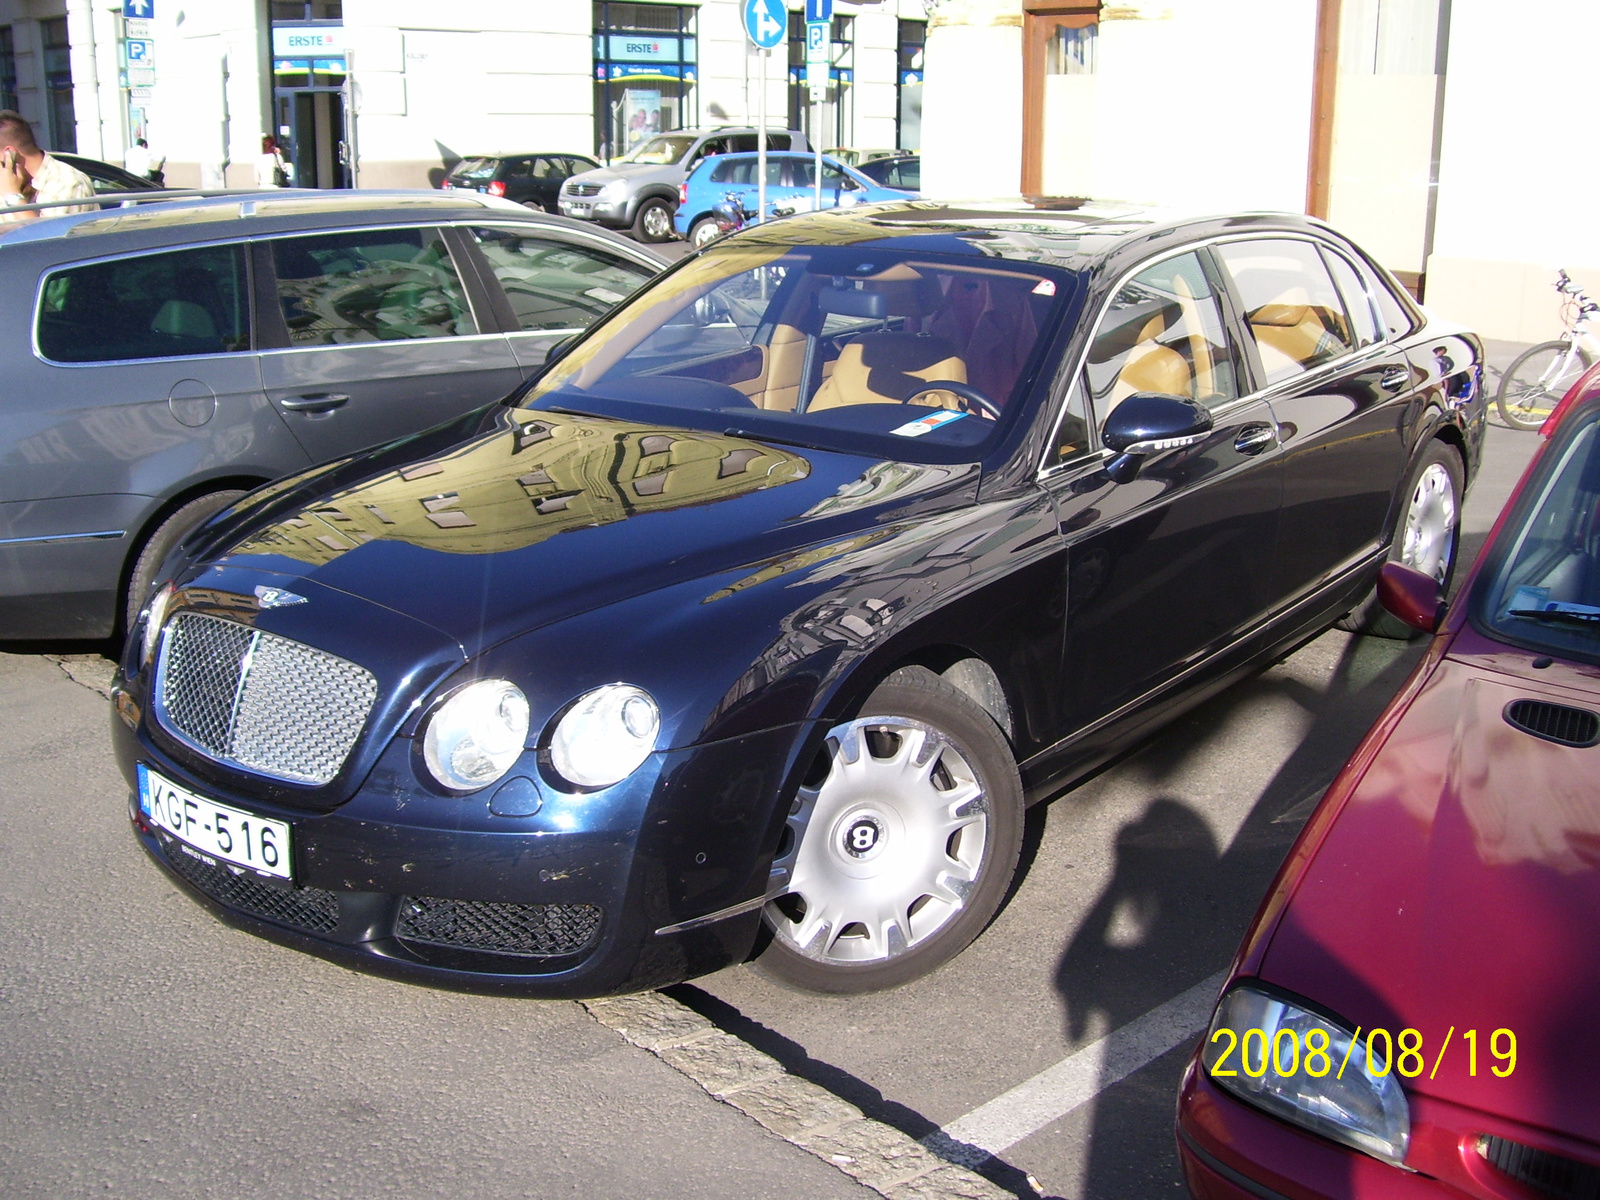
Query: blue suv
x,y
791,178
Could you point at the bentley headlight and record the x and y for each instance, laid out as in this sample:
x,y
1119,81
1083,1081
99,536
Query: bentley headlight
x,y
604,737
155,616
477,734
1310,1072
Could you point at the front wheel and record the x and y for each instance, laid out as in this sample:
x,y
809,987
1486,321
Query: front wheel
x,y
1426,535
161,541
900,848
653,221
1536,380
704,232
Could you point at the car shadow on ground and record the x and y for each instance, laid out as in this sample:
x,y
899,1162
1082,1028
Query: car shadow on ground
x,y
1179,900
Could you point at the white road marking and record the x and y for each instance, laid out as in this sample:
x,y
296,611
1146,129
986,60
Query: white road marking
x,y
1078,1078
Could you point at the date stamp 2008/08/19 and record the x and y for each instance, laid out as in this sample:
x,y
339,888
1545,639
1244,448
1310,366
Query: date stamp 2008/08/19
x,y
1288,1054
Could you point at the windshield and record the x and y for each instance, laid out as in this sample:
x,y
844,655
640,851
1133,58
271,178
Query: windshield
x,y
919,357
476,168
659,151
1545,590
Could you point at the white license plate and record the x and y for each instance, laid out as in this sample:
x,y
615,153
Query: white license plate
x,y
576,208
229,834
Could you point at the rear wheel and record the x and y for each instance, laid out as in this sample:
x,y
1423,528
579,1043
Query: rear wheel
x,y
162,539
653,222
901,846
703,232
1536,380
1426,535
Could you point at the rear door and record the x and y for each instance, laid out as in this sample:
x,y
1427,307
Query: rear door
x,y
371,335
548,286
1339,389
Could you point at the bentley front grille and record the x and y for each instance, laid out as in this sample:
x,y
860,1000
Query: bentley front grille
x,y
311,909
260,701
529,930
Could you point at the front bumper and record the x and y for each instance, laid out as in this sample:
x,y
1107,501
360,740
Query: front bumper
x,y
565,901
613,215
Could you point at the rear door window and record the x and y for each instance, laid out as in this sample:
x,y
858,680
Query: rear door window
x,y
1363,319
151,306
376,285
555,285
1291,307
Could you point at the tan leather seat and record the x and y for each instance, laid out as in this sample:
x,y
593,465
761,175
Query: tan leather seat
x,y
890,368
1293,333
1151,367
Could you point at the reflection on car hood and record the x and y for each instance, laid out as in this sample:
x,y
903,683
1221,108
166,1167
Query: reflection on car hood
x,y
1460,886
616,171
540,515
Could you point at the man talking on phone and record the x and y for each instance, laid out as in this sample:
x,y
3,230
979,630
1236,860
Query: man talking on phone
x,y
28,175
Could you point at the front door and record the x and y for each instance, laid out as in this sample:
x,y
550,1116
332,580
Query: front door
x,y
1167,569
316,145
372,337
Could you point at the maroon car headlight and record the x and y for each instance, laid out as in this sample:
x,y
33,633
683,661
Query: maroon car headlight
x,y
1308,1070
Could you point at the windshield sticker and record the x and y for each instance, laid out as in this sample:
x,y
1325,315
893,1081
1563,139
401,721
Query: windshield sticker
x,y
1045,287
927,424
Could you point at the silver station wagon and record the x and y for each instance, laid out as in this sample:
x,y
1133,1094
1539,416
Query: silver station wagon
x,y
165,358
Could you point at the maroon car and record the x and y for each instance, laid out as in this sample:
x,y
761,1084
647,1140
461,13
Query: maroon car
x,y
1413,1012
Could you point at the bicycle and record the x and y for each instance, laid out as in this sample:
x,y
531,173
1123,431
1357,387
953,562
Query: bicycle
x,y
1539,376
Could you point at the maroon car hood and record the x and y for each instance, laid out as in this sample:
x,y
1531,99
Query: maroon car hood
x,y
1460,887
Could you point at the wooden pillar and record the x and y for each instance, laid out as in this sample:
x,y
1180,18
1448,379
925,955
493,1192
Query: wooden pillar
x,y
1324,88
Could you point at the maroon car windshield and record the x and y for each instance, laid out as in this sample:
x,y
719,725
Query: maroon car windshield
x,y
1544,589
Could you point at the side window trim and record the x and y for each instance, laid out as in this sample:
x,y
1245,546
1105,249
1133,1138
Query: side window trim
x,y
272,329
1329,252
487,299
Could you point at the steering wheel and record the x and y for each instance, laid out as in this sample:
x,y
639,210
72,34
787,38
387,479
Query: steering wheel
x,y
965,391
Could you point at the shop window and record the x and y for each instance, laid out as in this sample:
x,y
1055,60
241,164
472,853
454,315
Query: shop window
x,y
58,84
1071,50
8,70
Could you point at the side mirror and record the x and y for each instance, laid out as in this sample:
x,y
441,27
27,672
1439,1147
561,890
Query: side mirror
x,y
1413,597
1147,423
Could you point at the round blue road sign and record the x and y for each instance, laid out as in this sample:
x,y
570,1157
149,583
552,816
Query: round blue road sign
x,y
766,22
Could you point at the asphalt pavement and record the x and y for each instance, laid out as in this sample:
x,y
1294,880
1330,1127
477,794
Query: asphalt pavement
x,y
148,1050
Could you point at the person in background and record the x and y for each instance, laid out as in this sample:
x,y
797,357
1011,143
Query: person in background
x,y
137,158
158,162
270,171
29,176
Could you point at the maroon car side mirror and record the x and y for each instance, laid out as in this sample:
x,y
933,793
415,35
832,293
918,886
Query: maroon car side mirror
x,y
1413,597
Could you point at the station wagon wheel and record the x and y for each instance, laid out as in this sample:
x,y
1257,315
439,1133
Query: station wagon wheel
x,y
653,223
1427,533
162,539
901,846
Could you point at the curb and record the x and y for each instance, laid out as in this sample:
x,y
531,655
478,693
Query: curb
x,y
812,1118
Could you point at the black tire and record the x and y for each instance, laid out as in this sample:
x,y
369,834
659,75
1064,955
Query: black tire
x,y
653,221
703,232
1535,381
1437,556
851,814
161,541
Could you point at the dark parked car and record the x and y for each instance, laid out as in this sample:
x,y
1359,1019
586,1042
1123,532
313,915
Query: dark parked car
x,y
165,359
1433,928
904,172
107,178
533,180
779,595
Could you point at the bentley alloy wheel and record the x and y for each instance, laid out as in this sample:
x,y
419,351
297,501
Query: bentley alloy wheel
x,y
899,854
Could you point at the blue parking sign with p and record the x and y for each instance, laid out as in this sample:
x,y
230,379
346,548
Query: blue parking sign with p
x,y
139,10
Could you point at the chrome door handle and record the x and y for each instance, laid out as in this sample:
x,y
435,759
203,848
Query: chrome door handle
x,y
1394,378
315,402
1253,439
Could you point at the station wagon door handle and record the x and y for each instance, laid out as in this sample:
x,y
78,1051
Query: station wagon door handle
x,y
1253,439
315,402
1394,379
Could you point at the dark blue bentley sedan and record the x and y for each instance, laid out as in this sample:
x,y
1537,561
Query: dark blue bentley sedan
x,y
758,617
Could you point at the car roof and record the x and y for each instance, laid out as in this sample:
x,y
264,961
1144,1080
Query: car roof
x,y
1088,235
204,218
465,158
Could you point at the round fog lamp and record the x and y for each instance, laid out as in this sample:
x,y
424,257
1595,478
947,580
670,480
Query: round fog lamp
x,y
604,737
477,734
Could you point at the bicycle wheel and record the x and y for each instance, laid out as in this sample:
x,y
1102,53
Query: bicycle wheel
x,y
1536,379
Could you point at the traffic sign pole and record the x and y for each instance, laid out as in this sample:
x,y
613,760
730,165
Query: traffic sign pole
x,y
766,23
761,146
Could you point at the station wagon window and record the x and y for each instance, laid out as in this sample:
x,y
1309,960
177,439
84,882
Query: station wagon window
x,y
378,285
556,285
150,306
1363,320
1290,304
1162,332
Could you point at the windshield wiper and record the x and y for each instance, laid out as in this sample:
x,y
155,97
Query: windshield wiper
x,y
1557,610
755,436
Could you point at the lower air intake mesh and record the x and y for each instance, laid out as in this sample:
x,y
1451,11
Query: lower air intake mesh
x,y
530,930
311,909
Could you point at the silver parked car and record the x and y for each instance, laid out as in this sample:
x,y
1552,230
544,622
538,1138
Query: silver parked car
x,y
164,359
639,191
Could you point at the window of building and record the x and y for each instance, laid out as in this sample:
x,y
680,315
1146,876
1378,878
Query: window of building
x,y
1071,50
307,10
645,70
838,107
62,119
8,69
908,85
149,306
378,286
